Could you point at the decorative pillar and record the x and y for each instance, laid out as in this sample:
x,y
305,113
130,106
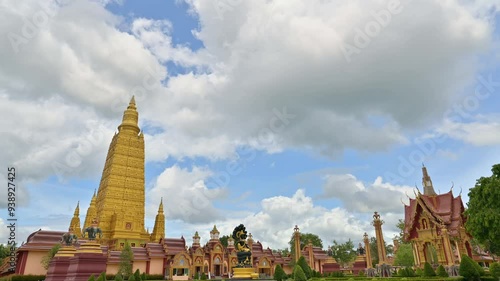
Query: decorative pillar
x,y
296,234
458,252
311,255
414,251
367,251
448,251
377,223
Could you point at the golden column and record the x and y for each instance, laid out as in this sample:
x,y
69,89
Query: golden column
x,y
296,235
377,223
367,251
311,254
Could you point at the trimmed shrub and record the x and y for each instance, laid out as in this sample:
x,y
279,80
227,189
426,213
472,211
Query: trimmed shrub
x,y
203,276
144,277
279,273
419,272
91,278
196,275
406,272
339,274
155,276
298,274
441,271
428,270
132,278
361,273
102,277
468,269
479,269
118,277
495,270
27,277
305,267
137,275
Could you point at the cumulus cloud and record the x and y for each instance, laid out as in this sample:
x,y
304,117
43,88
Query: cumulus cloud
x,y
273,224
360,198
186,196
482,130
265,55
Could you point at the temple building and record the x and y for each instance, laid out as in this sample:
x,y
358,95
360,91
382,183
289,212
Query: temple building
x,y
119,208
434,224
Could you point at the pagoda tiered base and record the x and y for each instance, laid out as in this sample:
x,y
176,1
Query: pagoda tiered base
x,y
244,273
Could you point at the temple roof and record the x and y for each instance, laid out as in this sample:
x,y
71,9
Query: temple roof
x,y
175,245
42,240
318,253
445,209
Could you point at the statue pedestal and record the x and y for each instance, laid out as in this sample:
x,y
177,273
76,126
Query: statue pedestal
x,y
66,251
244,273
360,264
88,260
58,269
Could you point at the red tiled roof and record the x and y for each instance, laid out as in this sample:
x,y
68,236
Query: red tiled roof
x,y
42,240
444,207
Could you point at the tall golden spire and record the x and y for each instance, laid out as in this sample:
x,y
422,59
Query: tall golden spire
x,y
159,228
130,119
121,195
427,183
91,212
75,221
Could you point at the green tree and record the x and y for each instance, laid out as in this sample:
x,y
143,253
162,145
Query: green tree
x,y
203,276
401,226
374,250
428,270
4,252
91,278
298,274
404,255
483,211
118,277
131,277
343,253
305,267
495,270
102,277
304,240
468,269
143,276
284,252
223,240
279,273
126,257
47,258
441,271
137,275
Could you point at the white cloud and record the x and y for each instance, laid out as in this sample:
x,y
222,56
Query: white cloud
x,y
265,55
186,196
273,224
356,197
481,131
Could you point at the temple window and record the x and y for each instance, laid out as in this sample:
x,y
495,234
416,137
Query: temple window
x,y
132,244
424,224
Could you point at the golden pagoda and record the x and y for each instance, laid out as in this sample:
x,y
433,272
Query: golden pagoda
x,y
159,228
121,195
74,225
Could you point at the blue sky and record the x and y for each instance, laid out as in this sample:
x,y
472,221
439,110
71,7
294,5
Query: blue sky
x,y
312,134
